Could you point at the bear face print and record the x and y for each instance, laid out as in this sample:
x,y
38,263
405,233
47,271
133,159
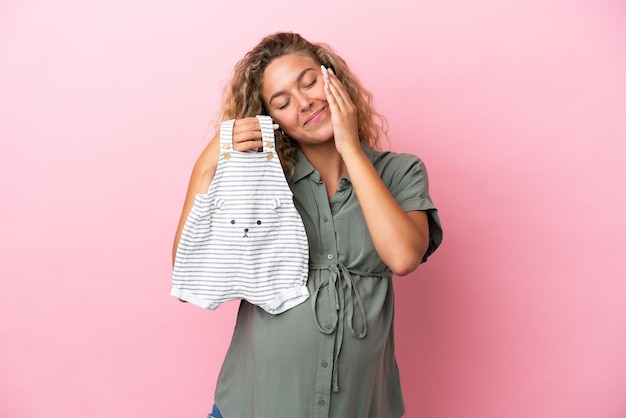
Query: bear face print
x,y
244,222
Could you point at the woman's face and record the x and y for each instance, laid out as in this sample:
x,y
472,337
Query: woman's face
x,y
293,93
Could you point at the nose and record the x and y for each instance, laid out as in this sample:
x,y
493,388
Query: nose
x,y
305,102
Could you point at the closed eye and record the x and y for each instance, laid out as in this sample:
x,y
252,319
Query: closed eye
x,y
299,79
306,86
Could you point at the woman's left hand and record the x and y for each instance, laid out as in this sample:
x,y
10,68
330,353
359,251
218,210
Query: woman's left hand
x,y
343,112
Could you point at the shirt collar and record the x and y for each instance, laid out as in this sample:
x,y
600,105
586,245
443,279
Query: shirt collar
x,y
304,168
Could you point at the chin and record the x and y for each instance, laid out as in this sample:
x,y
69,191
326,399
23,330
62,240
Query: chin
x,y
320,135
326,133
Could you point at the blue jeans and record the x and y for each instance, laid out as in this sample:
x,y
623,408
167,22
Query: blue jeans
x,y
215,413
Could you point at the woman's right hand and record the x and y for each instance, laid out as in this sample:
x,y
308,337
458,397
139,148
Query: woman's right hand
x,y
246,136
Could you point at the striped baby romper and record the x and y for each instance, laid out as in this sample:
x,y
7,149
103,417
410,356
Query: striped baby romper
x,y
244,238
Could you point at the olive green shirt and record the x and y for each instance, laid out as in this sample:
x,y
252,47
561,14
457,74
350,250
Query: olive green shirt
x,y
333,355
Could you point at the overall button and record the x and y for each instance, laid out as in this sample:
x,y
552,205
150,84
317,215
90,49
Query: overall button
x,y
325,218
324,364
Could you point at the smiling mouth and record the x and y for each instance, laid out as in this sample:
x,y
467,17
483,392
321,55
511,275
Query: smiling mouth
x,y
314,115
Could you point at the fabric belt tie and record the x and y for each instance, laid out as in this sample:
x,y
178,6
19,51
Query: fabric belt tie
x,y
344,296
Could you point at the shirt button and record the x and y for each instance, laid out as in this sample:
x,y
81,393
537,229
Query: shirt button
x,y
330,256
324,364
321,402
328,325
325,218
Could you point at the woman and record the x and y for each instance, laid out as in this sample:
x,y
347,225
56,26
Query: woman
x,y
368,216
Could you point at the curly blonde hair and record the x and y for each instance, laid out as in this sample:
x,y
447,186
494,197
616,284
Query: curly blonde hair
x,y
242,97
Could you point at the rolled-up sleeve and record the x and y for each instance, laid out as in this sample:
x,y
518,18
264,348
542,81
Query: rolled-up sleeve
x,y
407,179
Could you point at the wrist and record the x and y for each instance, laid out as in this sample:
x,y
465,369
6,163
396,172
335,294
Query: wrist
x,y
352,150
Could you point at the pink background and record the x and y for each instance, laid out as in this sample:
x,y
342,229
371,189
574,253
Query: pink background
x,y
518,108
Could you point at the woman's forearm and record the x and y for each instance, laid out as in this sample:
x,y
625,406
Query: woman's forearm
x,y
400,238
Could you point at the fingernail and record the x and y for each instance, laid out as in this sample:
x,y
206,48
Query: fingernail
x,y
324,71
325,74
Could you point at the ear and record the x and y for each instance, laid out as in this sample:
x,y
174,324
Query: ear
x,y
274,203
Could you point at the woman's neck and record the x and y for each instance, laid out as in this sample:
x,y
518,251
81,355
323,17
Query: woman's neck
x,y
328,162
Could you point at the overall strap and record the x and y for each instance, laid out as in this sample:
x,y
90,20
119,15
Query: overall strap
x,y
269,139
226,136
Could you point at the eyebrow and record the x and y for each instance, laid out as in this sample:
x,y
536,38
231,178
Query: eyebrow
x,y
298,79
